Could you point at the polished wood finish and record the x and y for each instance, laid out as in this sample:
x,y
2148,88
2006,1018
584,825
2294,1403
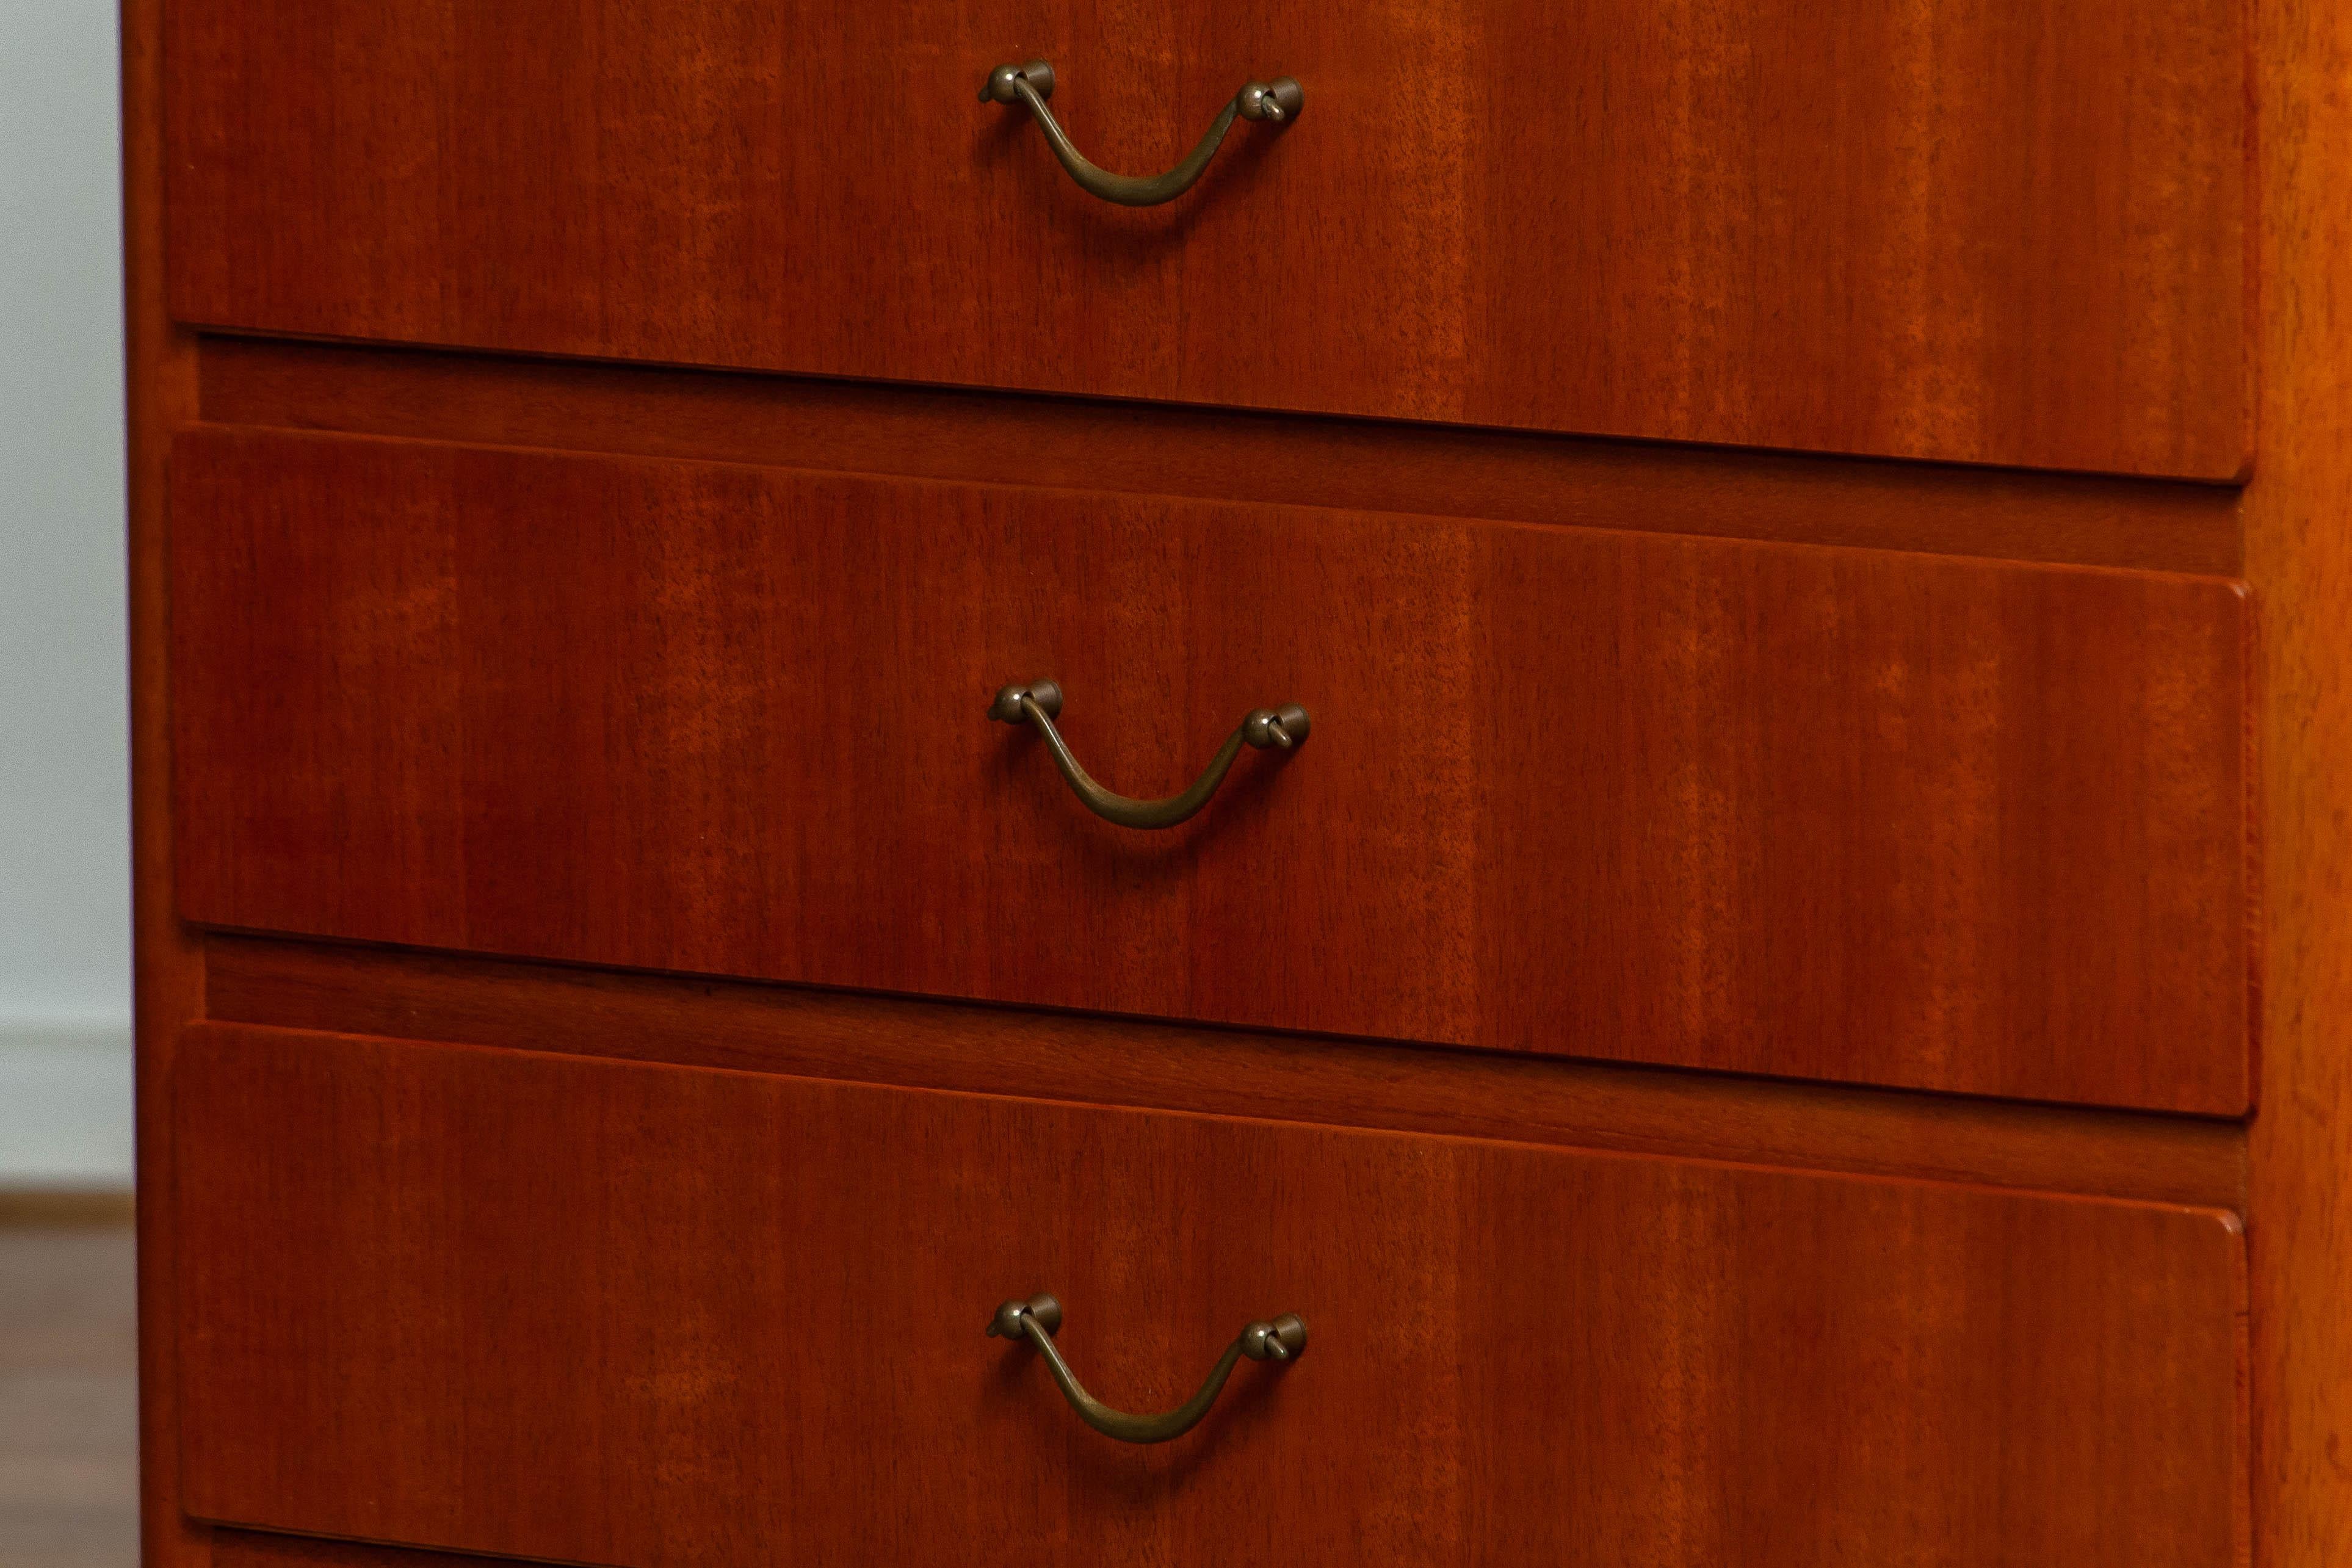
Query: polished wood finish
x,y
398,1258
2001,231
161,388
932,1045
247,1549
2299,553
534,243
255,1549
1825,814
1223,454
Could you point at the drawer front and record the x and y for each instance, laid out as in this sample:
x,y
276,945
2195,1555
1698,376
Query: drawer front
x,y
642,1315
247,1549
2003,231
1823,813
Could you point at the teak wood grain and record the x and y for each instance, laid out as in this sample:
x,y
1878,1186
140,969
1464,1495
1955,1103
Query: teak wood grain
x,y
159,396
614,1313
2299,526
1815,813
2296,550
934,433
2000,230
702,1022
250,1549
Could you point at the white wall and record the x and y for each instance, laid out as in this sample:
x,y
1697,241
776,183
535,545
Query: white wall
x,y
65,944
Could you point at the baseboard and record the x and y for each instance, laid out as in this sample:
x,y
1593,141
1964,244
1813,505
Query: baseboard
x,y
65,1106
41,1209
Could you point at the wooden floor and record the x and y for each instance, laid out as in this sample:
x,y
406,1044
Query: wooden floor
x,y
68,1398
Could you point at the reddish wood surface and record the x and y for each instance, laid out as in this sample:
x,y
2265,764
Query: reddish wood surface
x,y
2003,231
936,1045
1223,454
2299,552
161,393
617,1314
247,1549
343,167
1764,809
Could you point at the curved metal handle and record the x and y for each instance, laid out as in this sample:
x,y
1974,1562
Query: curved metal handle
x,y
1277,103
1040,702
1281,1341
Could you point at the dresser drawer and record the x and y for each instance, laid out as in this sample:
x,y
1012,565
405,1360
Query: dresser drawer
x,y
1814,812
2002,231
643,1315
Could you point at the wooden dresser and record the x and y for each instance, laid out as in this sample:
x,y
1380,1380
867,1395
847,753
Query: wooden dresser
x,y
1612,761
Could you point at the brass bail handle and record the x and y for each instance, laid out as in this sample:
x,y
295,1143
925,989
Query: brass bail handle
x,y
1276,103
1039,703
1036,1319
